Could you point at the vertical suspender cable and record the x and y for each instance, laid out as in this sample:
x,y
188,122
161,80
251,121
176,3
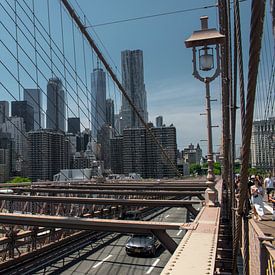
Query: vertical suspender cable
x,y
115,79
256,32
17,49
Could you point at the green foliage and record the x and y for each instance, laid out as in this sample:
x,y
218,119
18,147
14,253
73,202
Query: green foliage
x,y
200,170
19,179
195,169
217,168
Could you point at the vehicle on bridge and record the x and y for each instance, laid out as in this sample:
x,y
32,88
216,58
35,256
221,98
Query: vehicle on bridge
x,y
142,244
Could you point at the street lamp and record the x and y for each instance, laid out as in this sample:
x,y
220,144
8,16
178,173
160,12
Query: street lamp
x,y
204,42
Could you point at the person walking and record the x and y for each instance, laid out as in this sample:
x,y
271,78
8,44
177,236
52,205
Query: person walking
x,y
271,198
269,185
257,199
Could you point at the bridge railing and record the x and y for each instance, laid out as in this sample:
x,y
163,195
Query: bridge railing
x,y
262,252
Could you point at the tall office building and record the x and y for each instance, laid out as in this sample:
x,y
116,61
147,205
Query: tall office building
x,y
15,126
98,82
142,155
116,144
110,112
23,109
73,125
159,121
34,99
5,156
263,144
4,111
55,105
133,83
47,154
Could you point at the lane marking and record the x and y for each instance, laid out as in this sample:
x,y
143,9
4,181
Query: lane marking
x,y
152,267
167,216
268,207
105,259
179,232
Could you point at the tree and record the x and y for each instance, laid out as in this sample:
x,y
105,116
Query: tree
x,y
195,169
19,179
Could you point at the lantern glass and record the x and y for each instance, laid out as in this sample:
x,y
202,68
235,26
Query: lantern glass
x,y
206,59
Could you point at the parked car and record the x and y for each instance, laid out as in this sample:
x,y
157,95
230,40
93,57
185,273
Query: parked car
x,y
142,244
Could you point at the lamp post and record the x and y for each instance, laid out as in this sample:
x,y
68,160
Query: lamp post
x,y
203,42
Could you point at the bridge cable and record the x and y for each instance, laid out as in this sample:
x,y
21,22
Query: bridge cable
x,y
256,32
115,79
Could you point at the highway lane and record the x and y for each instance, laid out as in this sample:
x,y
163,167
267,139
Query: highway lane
x,y
112,258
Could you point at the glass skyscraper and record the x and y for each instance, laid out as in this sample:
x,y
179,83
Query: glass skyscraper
x,y
133,83
33,97
98,83
55,105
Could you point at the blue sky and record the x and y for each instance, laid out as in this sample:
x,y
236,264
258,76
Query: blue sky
x,y
171,89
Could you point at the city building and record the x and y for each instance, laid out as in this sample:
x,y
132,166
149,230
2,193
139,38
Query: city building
x,y
74,125
192,154
34,99
6,156
4,111
98,111
15,127
263,144
24,110
116,145
55,114
47,153
159,121
133,83
110,112
141,155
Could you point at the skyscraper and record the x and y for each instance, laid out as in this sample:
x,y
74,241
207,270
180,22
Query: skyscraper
x,y
98,82
159,121
4,111
34,99
23,109
55,105
48,154
263,144
133,83
110,112
74,125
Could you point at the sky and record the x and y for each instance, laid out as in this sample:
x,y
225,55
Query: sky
x,y
172,91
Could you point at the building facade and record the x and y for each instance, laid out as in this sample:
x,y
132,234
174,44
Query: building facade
x,y
34,99
4,111
192,154
47,154
159,121
74,125
263,144
98,111
15,126
55,114
110,112
117,155
133,83
24,110
141,155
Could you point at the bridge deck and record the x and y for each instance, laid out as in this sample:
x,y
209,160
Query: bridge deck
x,y
197,250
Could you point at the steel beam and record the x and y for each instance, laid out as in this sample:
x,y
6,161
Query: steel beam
x,y
109,192
107,225
100,201
166,240
127,187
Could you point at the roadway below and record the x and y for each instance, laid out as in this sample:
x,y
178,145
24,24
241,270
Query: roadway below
x,y
110,256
